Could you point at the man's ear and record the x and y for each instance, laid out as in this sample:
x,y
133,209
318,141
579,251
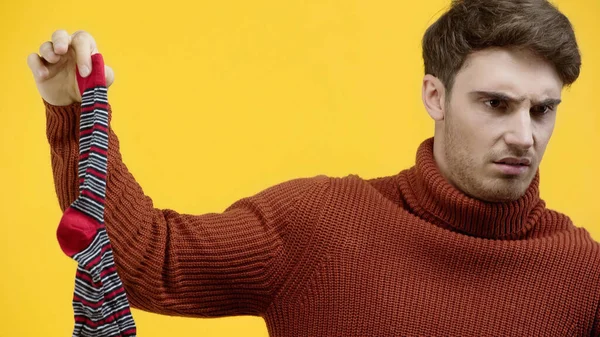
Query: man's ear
x,y
434,97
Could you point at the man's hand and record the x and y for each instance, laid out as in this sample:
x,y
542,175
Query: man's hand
x,y
54,68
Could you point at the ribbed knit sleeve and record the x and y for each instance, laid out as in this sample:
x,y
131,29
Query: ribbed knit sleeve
x,y
596,326
210,265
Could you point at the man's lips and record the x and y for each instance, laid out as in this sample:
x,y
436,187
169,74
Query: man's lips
x,y
523,161
512,169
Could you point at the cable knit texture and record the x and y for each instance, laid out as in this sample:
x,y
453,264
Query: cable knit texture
x,y
401,255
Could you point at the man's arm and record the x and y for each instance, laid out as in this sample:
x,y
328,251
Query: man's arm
x,y
216,264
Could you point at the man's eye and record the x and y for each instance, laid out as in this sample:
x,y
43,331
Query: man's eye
x,y
541,109
495,103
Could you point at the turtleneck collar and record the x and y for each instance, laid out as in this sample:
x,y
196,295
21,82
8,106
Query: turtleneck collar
x,y
430,196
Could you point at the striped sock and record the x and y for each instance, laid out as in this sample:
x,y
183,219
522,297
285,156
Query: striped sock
x,y
100,303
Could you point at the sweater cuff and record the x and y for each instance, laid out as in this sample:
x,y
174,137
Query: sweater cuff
x,y
60,109
62,121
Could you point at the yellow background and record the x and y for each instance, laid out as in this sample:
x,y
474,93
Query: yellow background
x,y
217,100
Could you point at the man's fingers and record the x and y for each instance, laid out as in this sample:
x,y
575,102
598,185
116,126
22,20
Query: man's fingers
x,y
110,75
47,52
39,70
85,46
60,41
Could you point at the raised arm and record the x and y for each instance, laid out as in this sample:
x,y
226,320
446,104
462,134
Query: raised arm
x,y
215,264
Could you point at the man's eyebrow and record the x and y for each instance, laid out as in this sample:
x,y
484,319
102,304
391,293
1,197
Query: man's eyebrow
x,y
550,101
505,97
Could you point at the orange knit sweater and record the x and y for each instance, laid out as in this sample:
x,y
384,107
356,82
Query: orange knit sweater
x,y
345,256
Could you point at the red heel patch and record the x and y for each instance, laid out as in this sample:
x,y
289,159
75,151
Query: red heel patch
x,y
75,231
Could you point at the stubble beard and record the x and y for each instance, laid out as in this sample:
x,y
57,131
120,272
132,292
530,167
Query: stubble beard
x,y
467,175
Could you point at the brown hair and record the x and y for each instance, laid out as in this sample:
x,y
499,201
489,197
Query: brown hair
x,y
471,25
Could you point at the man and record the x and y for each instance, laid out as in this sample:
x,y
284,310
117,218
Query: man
x,y
459,244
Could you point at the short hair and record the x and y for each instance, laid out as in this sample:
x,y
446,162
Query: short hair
x,y
472,25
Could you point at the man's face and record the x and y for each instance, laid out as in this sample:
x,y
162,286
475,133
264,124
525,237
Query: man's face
x,y
497,123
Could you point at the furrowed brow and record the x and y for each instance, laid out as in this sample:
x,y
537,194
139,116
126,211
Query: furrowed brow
x,y
498,95
508,98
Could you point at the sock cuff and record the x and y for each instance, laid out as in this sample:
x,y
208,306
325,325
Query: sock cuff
x,y
97,76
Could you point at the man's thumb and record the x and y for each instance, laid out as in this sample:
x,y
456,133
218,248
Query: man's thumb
x,y
110,75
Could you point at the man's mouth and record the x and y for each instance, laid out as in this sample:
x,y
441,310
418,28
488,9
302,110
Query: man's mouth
x,y
512,168
514,161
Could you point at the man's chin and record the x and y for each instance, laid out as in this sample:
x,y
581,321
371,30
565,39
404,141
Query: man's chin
x,y
501,189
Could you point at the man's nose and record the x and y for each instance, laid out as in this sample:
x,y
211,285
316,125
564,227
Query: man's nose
x,y
520,130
